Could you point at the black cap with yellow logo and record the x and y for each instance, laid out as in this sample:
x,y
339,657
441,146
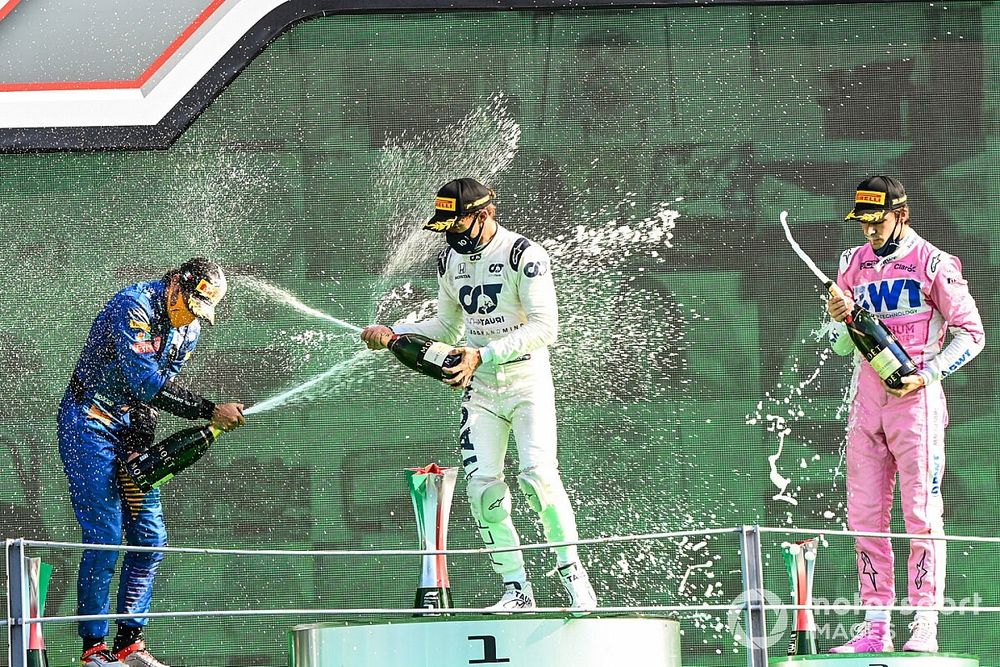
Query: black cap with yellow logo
x,y
875,197
457,199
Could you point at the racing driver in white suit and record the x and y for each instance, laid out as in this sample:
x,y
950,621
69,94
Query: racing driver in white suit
x,y
496,286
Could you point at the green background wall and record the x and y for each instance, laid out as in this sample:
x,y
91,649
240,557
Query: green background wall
x,y
685,340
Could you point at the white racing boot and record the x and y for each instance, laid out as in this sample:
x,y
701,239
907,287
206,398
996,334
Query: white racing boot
x,y
515,596
923,635
99,656
577,584
136,655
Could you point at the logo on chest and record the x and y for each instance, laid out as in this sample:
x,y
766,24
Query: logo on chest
x,y
144,346
481,299
886,296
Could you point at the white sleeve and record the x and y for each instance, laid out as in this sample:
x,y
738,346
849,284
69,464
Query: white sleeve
x,y
840,340
950,294
537,293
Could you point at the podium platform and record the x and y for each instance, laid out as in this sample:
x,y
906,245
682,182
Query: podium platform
x,y
878,660
543,639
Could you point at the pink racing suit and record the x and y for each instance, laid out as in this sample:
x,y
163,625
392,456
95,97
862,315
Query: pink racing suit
x,y
919,292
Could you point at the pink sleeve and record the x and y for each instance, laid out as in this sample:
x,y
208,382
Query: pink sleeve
x,y
949,293
845,264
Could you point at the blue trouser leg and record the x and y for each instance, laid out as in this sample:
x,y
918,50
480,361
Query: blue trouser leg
x,y
89,461
105,506
143,527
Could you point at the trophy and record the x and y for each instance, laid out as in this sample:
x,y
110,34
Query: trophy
x,y
431,489
39,575
800,561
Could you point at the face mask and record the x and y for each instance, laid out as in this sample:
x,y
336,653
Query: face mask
x,y
891,244
179,314
465,243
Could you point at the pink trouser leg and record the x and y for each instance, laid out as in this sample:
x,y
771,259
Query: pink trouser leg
x,y
915,429
871,478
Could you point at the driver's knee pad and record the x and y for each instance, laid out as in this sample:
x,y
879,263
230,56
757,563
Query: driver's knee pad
x,y
489,499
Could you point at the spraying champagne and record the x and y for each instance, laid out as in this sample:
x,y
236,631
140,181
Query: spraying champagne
x,y
870,335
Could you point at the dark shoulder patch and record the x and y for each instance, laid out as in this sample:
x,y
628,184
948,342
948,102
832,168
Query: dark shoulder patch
x,y
443,261
517,251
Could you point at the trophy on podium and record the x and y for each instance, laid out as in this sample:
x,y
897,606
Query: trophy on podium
x,y
431,489
800,560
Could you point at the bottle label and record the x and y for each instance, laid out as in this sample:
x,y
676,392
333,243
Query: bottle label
x,y
437,353
885,363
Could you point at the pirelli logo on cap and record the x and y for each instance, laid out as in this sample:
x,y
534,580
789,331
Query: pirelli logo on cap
x,y
208,289
869,197
445,204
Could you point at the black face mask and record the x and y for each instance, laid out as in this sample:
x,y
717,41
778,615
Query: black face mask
x,y
891,244
465,243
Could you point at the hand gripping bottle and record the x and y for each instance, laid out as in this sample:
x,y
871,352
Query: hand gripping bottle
x,y
878,345
422,354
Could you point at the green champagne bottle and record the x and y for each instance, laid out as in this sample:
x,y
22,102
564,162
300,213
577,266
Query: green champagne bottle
x,y
158,464
870,335
877,344
422,354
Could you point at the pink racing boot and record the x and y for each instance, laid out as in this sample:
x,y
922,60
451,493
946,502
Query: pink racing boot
x,y
871,637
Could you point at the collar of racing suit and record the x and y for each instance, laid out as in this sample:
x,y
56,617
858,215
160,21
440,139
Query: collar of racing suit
x,y
906,244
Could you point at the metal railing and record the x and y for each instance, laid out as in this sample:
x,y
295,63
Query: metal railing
x,y
754,604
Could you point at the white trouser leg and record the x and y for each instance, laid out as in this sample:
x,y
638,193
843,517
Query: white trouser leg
x,y
534,424
483,437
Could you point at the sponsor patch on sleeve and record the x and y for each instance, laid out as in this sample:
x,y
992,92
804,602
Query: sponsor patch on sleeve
x,y
535,269
517,251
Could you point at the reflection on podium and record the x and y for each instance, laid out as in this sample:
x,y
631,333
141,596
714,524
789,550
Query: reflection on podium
x,y
543,639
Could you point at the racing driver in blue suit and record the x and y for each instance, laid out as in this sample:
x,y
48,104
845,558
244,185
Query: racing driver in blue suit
x,y
136,347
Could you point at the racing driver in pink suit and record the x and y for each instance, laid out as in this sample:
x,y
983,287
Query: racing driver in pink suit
x,y
919,292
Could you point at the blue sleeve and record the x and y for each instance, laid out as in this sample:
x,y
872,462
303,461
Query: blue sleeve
x,y
131,329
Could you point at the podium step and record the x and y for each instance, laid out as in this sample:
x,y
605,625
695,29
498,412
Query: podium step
x,y
878,660
637,641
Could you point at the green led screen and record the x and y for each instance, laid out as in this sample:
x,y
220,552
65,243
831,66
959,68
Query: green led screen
x,y
651,151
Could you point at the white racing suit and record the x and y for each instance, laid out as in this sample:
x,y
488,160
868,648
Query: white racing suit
x,y
504,300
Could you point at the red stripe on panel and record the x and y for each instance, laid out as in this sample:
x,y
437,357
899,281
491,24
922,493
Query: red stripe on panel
x,y
114,85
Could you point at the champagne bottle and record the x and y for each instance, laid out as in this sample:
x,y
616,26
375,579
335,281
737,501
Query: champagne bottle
x,y
422,354
870,335
877,344
158,464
